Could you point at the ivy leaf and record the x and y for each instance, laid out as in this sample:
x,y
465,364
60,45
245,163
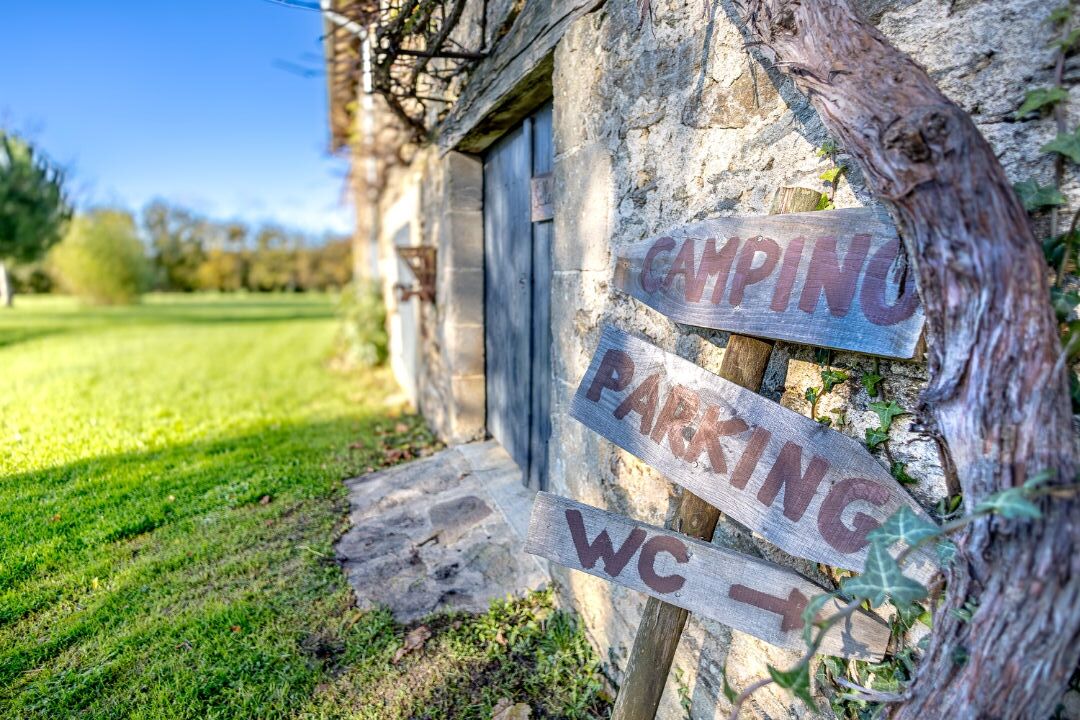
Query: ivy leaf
x,y
882,579
1040,98
946,552
903,526
1035,196
1060,14
729,692
1010,504
1067,144
811,395
824,203
870,382
828,148
796,680
1066,43
1040,478
875,436
833,174
831,378
910,614
810,613
899,471
886,411
1064,302
826,421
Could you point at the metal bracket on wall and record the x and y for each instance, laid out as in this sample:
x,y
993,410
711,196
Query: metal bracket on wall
x,y
542,190
421,261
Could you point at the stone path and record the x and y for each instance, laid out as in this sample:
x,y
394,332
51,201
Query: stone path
x,y
445,532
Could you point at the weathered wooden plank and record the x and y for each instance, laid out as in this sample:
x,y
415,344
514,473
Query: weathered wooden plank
x,y
828,278
806,488
661,626
743,592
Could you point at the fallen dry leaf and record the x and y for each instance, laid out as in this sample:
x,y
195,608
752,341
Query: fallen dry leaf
x,y
235,628
55,518
401,428
500,638
413,641
505,710
264,500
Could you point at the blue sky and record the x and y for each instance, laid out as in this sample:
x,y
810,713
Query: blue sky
x,y
178,99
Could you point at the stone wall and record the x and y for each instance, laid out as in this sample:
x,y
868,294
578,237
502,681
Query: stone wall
x,y
675,121
438,199
659,124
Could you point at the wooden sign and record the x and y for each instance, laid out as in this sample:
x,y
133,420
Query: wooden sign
x,y
808,489
745,593
825,278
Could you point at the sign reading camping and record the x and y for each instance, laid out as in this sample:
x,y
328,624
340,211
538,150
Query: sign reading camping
x,y
808,489
748,594
831,278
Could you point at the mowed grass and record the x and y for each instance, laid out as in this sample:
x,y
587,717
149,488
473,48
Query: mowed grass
x,y
170,491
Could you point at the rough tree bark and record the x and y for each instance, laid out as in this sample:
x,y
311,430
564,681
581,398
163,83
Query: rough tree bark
x,y
998,389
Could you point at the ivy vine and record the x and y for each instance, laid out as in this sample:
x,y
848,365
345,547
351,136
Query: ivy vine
x,y
865,688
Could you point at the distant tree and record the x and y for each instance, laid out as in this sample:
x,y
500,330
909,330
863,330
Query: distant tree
x,y
273,261
178,242
101,258
33,206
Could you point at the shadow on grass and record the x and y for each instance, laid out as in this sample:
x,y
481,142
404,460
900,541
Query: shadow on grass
x,y
113,562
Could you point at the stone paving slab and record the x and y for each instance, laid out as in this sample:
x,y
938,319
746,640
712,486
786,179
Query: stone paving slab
x,y
445,532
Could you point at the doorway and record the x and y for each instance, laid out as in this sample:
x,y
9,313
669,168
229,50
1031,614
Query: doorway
x,y
517,297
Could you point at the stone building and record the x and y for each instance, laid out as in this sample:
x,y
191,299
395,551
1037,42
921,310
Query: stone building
x,y
644,125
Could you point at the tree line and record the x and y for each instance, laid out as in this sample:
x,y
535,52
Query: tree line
x,y
106,255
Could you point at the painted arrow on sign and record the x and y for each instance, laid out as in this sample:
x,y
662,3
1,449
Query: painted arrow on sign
x,y
745,593
808,489
830,278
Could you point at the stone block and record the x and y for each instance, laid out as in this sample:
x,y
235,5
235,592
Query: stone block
x,y
460,296
463,346
461,240
469,411
583,206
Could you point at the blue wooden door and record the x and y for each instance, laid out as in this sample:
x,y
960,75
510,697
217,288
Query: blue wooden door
x,y
517,292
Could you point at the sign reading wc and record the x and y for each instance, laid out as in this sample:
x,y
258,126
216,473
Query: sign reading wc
x,y
748,594
808,489
831,278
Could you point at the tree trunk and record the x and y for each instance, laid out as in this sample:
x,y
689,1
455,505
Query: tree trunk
x,y
7,294
998,388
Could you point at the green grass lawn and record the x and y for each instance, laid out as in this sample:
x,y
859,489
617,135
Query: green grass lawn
x,y
170,490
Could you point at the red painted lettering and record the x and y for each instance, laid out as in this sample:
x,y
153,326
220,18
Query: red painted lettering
x,y
679,409
643,401
799,488
749,460
601,548
647,563
830,519
649,283
745,272
790,609
683,265
708,437
788,271
872,295
615,372
713,263
836,279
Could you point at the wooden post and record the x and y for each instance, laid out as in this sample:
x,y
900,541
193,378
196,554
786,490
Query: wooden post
x,y
662,624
